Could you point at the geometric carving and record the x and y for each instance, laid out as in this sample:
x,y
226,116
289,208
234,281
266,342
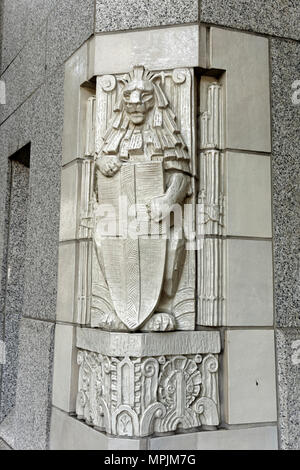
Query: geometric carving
x,y
211,120
86,209
135,396
86,243
211,282
210,212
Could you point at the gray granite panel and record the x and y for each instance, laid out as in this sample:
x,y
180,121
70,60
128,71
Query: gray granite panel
x,y
7,429
13,283
129,14
33,398
276,17
285,60
21,20
39,121
1,31
46,110
8,145
5,200
25,74
288,358
14,27
69,25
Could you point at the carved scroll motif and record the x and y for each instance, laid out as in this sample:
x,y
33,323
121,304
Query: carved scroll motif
x,y
138,396
210,212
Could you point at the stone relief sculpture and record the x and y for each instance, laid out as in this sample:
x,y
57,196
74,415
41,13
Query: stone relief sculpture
x,y
142,159
136,274
169,393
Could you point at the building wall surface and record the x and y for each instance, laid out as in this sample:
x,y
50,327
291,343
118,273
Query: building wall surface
x,y
38,37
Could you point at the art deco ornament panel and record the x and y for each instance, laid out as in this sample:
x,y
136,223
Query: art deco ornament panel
x,y
136,396
143,202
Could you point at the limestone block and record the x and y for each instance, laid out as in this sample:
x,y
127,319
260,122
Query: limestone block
x,y
248,210
156,49
148,344
249,283
146,382
245,58
65,368
75,103
69,202
256,438
250,386
66,282
67,433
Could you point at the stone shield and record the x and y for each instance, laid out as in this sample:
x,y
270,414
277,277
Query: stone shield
x,y
134,251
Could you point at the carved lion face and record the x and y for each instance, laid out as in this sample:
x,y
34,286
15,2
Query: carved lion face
x,y
138,99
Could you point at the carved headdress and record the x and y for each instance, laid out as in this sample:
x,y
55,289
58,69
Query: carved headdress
x,y
158,136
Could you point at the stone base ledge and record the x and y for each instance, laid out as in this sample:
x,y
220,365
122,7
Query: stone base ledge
x,y
67,433
136,384
148,344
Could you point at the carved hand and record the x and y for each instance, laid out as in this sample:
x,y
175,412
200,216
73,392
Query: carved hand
x,y
159,208
108,165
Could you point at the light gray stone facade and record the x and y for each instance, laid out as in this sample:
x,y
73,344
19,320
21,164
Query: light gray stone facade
x,y
42,42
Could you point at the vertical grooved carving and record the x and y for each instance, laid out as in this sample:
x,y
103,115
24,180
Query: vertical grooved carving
x,y
210,214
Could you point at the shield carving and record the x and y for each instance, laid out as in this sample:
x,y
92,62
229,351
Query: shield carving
x,y
133,258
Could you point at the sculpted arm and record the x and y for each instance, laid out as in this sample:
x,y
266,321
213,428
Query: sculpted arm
x,y
178,185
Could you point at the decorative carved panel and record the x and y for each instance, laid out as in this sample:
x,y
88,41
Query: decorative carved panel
x,y
135,397
139,283
137,271
210,208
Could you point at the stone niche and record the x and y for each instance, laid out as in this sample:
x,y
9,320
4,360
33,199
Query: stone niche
x,y
142,366
152,206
